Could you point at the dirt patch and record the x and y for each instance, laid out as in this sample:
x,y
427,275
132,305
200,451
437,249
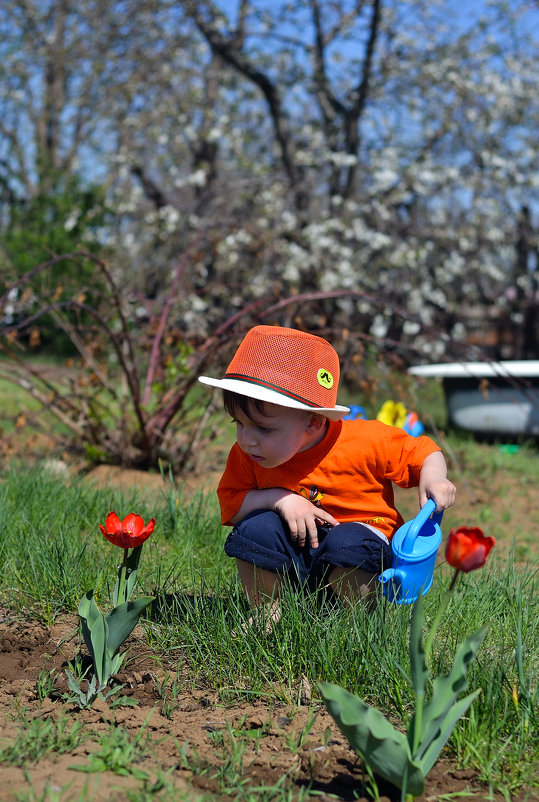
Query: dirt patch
x,y
187,739
126,478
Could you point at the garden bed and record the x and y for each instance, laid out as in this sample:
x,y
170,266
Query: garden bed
x,y
205,748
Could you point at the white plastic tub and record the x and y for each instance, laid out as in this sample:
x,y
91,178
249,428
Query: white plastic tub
x,y
491,398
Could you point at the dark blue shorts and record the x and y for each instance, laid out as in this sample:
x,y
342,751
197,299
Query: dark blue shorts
x,y
262,539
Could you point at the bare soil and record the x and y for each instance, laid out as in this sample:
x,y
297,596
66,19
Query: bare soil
x,y
331,768
276,748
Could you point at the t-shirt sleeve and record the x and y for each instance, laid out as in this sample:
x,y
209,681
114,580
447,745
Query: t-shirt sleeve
x,y
238,478
405,456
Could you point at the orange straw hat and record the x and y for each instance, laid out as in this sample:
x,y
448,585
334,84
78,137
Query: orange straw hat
x,y
286,367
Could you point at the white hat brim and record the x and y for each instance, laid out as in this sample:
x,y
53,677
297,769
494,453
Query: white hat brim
x,y
271,396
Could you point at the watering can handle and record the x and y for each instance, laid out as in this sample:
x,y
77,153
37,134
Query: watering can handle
x,y
421,518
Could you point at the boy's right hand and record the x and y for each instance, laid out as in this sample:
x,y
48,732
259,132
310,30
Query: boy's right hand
x,y
302,517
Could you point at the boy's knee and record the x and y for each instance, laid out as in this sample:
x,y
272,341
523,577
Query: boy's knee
x,y
260,539
356,545
263,527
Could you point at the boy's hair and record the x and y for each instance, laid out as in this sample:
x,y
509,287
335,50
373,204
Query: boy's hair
x,y
234,402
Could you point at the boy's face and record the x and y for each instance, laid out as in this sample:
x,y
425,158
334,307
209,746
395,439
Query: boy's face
x,y
275,437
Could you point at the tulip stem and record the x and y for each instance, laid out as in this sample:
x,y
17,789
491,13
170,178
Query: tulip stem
x,y
427,649
439,613
121,586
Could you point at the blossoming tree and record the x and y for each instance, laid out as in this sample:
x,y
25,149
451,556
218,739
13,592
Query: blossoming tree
x,y
386,147
376,162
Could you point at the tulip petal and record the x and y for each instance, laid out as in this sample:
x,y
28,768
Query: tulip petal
x,y
113,523
129,533
133,523
467,548
148,529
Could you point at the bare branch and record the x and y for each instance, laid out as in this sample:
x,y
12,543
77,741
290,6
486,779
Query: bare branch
x,y
154,354
329,105
230,50
47,401
359,99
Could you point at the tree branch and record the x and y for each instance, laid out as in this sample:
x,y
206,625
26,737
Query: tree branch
x,y
359,99
154,354
230,50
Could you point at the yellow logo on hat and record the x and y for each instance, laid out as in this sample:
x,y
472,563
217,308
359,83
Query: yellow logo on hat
x,y
325,378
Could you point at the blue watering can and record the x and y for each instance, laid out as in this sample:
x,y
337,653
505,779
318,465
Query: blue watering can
x,y
414,548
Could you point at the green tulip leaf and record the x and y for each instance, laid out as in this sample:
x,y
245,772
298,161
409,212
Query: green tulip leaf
x,y
419,671
122,620
382,747
94,632
117,662
439,711
72,683
88,610
431,749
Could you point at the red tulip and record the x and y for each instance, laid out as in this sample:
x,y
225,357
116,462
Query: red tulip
x,y
128,533
467,548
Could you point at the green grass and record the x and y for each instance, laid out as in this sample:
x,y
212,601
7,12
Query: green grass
x,y
40,737
51,552
342,647
52,549
14,401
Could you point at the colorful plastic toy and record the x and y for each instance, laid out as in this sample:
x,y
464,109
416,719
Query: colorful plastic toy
x,y
413,425
356,413
414,547
393,413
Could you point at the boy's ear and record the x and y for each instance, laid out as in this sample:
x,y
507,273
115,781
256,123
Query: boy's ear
x,y
316,423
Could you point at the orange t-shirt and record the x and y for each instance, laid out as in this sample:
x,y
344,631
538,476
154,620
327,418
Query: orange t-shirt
x,y
349,473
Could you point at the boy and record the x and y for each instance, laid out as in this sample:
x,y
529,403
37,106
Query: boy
x,y
307,492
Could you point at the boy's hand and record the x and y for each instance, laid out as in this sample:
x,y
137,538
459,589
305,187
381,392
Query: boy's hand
x,y
441,491
434,484
302,516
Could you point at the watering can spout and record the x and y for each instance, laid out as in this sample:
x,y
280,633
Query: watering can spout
x,y
394,583
392,575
